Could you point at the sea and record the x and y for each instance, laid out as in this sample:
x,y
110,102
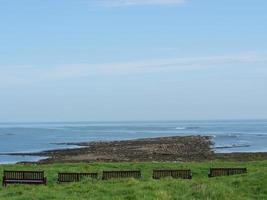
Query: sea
x,y
228,135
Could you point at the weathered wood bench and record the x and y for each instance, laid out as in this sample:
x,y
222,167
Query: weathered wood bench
x,y
121,174
23,177
75,177
226,171
161,173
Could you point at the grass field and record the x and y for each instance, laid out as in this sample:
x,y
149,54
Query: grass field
x,y
252,185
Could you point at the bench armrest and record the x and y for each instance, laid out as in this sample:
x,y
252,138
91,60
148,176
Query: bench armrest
x,y
210,174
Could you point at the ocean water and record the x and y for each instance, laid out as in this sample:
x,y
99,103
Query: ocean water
x,y
228,136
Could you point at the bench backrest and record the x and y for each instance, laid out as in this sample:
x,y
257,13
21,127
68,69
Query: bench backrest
x,y
24,175
121,174
161,173
74,177
226,171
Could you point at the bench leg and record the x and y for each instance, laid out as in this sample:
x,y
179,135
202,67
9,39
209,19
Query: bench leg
x,y
4,183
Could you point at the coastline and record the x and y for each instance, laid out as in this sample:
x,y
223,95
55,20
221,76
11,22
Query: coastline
x,y
161,149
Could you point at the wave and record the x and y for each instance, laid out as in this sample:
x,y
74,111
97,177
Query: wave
x,y
230,146
187,128
226,135
7,134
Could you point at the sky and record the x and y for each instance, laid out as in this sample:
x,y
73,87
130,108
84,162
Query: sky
x,y
121,60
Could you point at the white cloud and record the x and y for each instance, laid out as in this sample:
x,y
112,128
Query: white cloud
x,y
22,74
119,3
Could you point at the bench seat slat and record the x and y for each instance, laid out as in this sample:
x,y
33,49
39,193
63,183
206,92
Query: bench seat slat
x,y
23,181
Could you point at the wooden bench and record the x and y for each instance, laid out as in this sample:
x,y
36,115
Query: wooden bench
x,y
161,173
121,174
226,171
74,177
23,177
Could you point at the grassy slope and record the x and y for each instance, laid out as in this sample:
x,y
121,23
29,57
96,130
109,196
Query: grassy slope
x,y
249,186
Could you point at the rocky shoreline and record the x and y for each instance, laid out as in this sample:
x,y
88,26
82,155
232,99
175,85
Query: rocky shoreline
x,y
162,149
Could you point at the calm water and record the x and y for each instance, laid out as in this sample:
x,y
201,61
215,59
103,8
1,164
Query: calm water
x,y
228,136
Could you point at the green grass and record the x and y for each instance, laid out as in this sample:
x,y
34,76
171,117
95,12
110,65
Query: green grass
x,y
252,185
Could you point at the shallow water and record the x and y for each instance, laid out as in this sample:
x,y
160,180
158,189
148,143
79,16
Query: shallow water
x,y
228,136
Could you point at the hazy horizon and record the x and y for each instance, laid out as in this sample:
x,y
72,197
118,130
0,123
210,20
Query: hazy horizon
x,y
132,60
134,121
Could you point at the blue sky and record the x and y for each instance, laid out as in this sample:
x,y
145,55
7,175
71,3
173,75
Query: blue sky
x,y
79,60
